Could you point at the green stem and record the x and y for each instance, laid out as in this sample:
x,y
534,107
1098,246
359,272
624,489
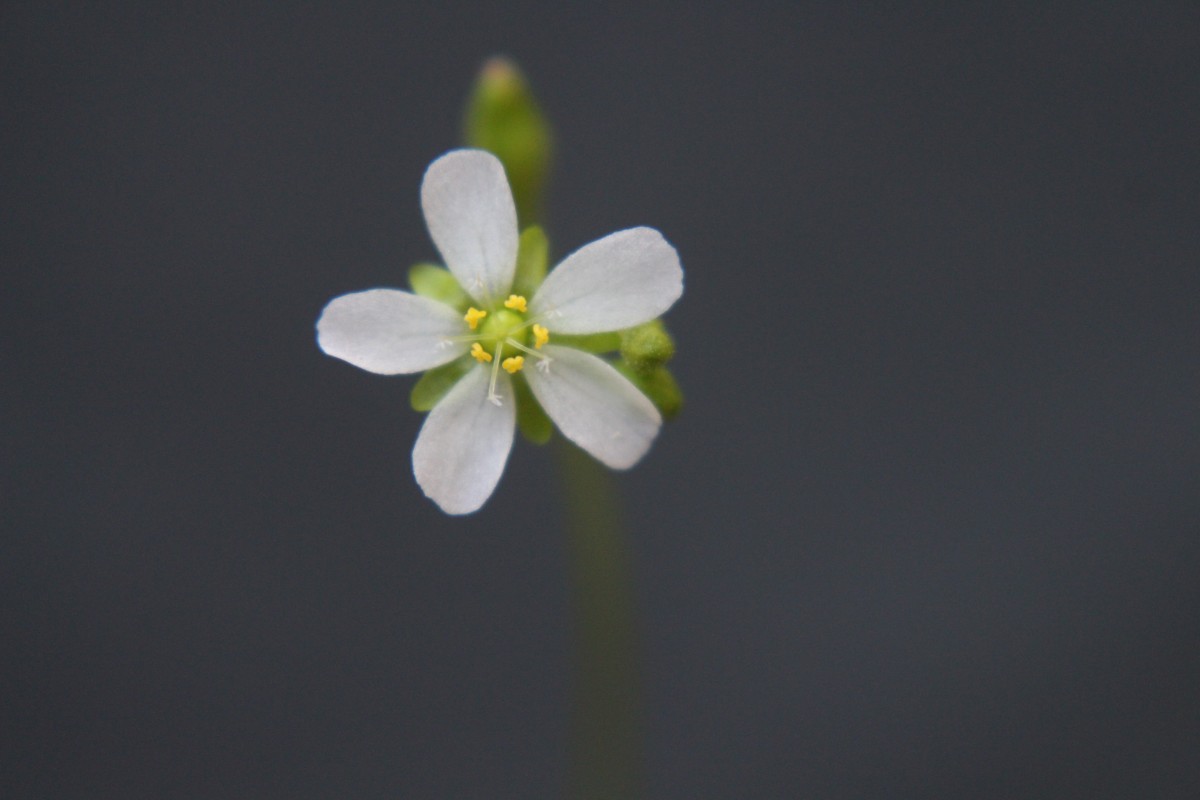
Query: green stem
x,y
606,723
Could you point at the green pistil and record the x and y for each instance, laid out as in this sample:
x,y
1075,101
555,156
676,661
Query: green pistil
x,y
501,325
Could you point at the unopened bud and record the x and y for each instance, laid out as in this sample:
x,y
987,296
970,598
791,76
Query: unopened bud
x,y
647,346
503,118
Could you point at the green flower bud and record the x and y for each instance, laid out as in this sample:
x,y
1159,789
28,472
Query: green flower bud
x,y
503,117
647,347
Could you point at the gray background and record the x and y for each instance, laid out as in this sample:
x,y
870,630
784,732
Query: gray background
x,y
927,527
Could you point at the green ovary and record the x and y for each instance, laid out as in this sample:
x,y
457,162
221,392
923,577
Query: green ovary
x,y
500,326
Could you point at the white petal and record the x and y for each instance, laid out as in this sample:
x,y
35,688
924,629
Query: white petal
x,y
471,217
464,443
595,406
626,278
390,332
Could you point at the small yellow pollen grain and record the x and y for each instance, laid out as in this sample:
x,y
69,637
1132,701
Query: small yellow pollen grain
x,y
513,364
481,355
473,316
516,303
540,336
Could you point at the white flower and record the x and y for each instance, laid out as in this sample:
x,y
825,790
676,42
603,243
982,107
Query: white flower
x,y
622,280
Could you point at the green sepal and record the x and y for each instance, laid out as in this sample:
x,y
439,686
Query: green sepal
x,y
531,419
436,283
647,347
533,251
434,384
503,117
658,384
589,342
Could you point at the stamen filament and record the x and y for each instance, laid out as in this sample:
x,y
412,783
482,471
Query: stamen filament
x,y
492,396
525,349
543,364
466,337
534,321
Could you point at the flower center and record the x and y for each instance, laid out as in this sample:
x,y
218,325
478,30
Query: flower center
x,y
498,328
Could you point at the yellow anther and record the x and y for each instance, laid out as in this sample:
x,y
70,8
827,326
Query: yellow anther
x,y
481,355
513,364
540,336
473,316
516,303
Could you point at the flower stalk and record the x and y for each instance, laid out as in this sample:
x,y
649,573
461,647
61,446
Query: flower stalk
x,y
605,748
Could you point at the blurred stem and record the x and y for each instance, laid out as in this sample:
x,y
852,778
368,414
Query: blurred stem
x,y
606,724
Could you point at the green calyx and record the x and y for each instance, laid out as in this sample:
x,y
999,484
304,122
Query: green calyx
x,y
434,384
531,419
436,283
